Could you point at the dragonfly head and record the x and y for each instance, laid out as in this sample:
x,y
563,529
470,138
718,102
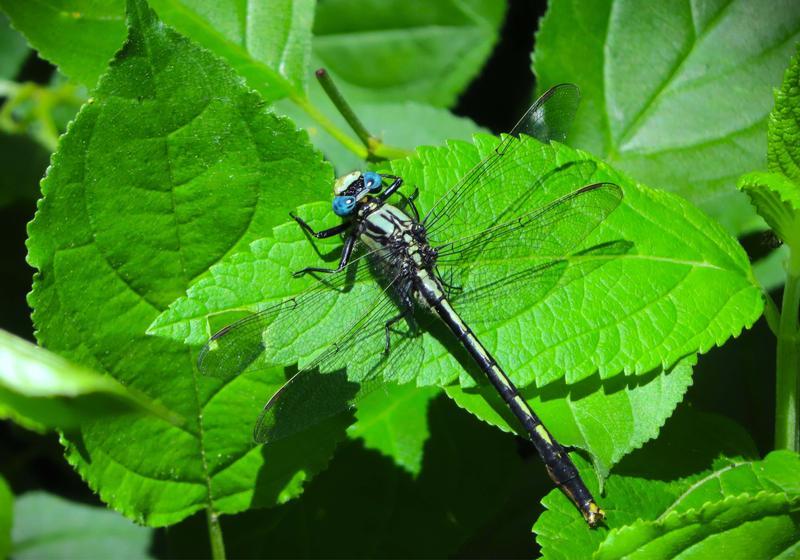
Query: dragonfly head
x,y
348,190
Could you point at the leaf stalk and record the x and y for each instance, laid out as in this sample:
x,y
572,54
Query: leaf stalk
x,y
787,395
376,150
215,535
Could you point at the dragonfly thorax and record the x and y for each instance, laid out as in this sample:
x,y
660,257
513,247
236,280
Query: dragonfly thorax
x,y
398,236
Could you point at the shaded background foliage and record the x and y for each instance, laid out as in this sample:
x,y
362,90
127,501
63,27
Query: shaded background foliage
x,y
727,381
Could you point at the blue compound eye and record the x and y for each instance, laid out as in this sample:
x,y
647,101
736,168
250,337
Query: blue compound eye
x,y
344,205
373,181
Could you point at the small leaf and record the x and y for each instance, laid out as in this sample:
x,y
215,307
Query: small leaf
x,y
48,526
783,140
6,517
395,422
405,50
671,92
173,165
79,37
776,194
777,200
40,390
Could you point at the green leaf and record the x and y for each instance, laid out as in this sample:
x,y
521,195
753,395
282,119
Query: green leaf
x,y
268,43
395,423
672,94
405,50
685,287
173,165
698,460
13,50
48,526
783,140
397,124
39,390
79,36
747,526
636,408
777,199
6,517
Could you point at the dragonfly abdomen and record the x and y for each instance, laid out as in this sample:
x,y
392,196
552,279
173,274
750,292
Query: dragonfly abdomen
x,y
560,467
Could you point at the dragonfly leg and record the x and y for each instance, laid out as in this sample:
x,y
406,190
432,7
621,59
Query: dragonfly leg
x,y
391,189
388,331
406,314
322,234
347,250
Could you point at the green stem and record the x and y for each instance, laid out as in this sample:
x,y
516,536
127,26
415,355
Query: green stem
x,y
215,534
329,127
375,149
344,107
787,435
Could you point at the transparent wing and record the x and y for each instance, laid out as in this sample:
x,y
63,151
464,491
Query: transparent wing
x,y
267,337
311,396
478,194
544,248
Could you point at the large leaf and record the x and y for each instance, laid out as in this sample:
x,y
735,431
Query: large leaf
x,y
675,93
173,165
39,389
48,526
405,50
685,287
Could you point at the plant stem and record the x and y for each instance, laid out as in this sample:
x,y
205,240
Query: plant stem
x,y
341,103
787,435
215,534
329,127
375,149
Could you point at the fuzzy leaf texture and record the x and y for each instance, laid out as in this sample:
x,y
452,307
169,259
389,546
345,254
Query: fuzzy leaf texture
x,y
674,93
40,390
171,166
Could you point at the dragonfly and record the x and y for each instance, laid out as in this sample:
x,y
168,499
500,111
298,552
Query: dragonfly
x,y
449,264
